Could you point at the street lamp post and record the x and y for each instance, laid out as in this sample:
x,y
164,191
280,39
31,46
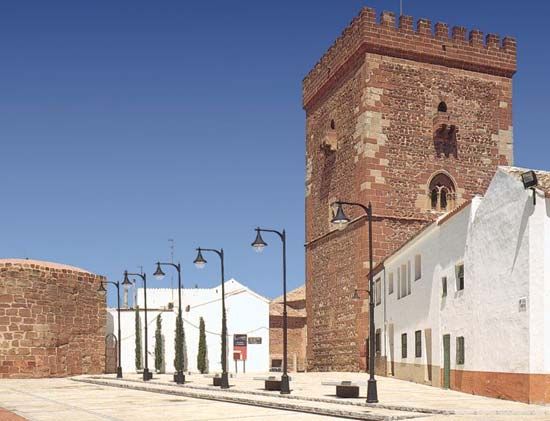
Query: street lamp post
x,y
259,244
200,262
179,377
103,289
147,375
340,218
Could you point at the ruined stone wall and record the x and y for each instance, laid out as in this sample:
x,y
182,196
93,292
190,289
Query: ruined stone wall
x,y
52,320
372,110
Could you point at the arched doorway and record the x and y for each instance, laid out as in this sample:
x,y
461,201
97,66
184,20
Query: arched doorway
x,y
110,353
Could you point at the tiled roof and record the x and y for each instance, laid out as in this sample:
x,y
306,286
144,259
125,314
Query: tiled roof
x,y
276,309
297,294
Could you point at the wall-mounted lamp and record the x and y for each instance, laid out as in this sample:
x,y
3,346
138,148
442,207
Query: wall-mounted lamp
x,y
530,180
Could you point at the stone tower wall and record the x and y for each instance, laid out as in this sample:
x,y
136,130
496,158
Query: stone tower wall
x,y
372,115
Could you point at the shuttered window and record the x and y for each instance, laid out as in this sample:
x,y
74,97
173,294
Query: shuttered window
x,y
418,343
460,277
404,345
460,350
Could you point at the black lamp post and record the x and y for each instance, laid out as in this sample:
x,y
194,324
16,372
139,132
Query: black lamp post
x,y
259,244
200,262
147,375
341,219
179,377
101,288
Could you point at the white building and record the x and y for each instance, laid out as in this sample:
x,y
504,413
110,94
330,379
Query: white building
x,y
465,304
247,314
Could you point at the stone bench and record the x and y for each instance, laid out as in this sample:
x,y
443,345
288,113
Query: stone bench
x,y
346,389
216,379
271,382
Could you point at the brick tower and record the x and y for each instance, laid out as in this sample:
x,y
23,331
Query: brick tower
x,y
414,121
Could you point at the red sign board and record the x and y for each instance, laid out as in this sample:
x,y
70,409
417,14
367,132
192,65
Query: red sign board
x,y
239,347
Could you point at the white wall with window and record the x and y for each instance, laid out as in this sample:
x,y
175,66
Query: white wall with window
x,y
480,274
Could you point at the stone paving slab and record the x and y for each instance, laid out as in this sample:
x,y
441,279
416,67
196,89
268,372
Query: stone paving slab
x,y
276,401
394,395
65,400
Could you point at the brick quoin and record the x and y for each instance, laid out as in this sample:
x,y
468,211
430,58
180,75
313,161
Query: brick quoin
x,y
372,116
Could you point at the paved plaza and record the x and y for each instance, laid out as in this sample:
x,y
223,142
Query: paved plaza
x,y
393,393
106,398
63,399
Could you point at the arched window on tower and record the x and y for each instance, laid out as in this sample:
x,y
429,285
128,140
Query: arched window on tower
x,y
442,193
442,107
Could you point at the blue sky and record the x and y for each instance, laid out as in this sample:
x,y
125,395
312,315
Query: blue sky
x,y
126,123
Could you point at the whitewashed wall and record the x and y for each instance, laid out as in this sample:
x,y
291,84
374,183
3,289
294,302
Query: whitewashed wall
x,y
503,241
247,313
440,248
496,277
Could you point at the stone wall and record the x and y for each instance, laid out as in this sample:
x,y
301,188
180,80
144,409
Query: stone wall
x,y
372,113
52,320
297,330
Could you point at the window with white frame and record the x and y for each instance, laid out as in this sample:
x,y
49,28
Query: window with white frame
x,y
390,283
417,267
378,291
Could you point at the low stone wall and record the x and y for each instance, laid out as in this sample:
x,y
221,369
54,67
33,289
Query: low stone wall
x,y
52,320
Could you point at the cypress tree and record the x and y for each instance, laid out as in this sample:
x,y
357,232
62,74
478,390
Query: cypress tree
x,y
159,351
201,356
138,340
179,354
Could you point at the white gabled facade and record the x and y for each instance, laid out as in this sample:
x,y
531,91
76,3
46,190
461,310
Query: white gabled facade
x,y
491,336
247,313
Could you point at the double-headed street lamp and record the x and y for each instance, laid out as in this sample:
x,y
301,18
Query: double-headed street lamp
x,y
126,283
341,219
259,244
179,377
200,262
147,375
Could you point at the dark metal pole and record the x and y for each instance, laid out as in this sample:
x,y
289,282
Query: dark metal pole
x,y
285,386
119,368
224,379
372,393
146,374
180,377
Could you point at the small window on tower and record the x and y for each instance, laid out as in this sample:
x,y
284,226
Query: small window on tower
x,y
442,193
332,125
442,107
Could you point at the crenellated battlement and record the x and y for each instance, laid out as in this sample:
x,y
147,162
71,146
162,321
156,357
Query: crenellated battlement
x,y
402,39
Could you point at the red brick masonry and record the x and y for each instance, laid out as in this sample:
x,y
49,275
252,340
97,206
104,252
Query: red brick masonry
x,y
52,320
372,124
